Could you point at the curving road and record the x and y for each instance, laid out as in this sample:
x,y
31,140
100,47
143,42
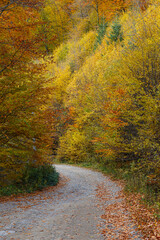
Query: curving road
x,y
72,211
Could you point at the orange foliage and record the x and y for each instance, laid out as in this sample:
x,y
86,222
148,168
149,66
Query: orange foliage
x,y
18,25
108,8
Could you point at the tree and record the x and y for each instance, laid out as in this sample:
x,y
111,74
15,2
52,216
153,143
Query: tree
x,y
19,39
57,18
24,106
116,33
25,122
101,33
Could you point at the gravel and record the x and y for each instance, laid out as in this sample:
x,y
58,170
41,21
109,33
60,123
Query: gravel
x,y
72,211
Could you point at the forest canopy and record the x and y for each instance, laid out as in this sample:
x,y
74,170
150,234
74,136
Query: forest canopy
x,y
80,83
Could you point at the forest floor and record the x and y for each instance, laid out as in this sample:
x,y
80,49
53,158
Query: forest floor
x,y
85,205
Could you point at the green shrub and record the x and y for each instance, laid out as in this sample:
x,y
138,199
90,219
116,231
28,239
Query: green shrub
x,y
44,175
33,178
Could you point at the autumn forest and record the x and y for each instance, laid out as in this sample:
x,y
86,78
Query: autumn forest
x,y
80,84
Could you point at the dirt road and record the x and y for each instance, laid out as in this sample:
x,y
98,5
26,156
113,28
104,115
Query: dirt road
x,y
72,211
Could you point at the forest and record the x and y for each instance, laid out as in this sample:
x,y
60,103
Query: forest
x,y
79,84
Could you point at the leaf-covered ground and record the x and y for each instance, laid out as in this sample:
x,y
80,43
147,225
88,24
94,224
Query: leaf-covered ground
x,y
85,205
123,211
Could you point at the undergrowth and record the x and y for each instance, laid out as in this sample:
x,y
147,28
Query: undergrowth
x,y
32,179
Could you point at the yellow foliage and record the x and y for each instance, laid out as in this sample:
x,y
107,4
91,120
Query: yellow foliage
x,y
67,59
114,91
73,146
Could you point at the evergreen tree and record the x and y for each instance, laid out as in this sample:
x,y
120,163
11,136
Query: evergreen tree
x,y
116,33
100,33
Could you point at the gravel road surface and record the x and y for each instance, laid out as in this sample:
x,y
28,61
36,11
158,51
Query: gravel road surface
x,y
72,211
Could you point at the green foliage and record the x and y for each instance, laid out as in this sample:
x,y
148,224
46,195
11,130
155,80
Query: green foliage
x,y
60,54
32,179
63,54
115,33
100,33
39,177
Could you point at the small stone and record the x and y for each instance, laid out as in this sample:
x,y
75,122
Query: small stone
x,y
10,232
3,233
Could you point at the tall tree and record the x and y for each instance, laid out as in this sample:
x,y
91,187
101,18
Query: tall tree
x,y
24,99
